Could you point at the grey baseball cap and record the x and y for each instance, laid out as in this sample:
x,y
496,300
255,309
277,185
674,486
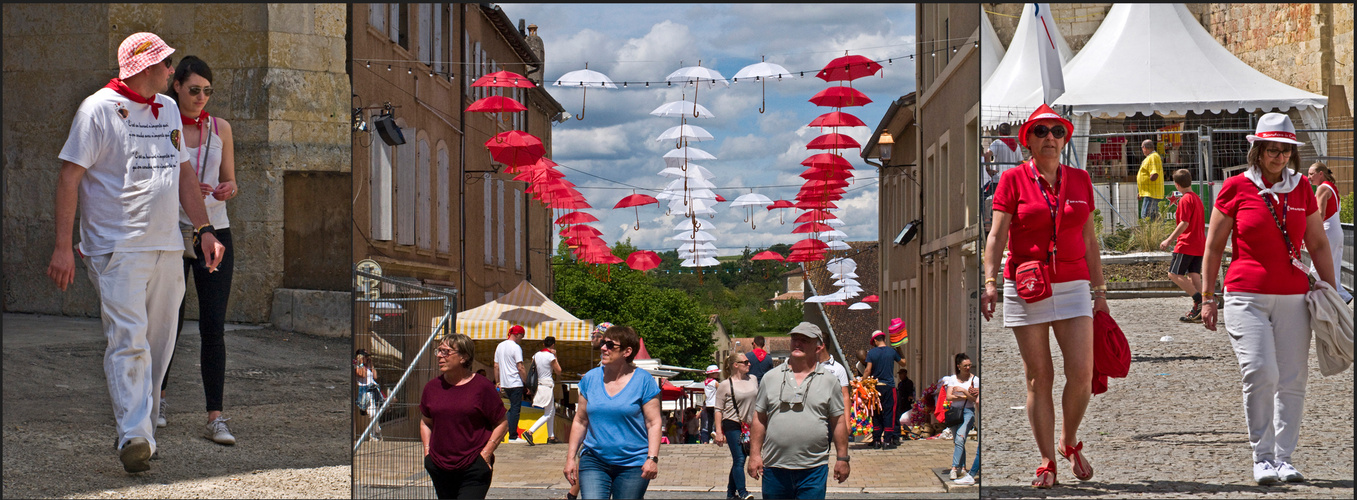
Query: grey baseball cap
x,y
808,329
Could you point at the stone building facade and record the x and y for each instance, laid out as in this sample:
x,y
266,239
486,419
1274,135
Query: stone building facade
x,y
280,79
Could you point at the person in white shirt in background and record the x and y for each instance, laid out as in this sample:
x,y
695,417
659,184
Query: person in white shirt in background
x,y
709,403
547,370
510,373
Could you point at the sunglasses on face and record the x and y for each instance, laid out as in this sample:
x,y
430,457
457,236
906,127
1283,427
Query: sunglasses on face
x,y
742,362
195,90
1041,130
610,345
166,62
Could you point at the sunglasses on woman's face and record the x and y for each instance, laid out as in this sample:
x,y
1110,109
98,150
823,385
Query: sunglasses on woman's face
x,y
1041,130
195,90
742,362
610,345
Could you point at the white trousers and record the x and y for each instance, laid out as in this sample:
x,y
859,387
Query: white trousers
x,y
1334,231
548,412
139,295
1271,338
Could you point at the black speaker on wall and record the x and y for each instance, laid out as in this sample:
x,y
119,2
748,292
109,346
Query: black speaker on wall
x,y
386,127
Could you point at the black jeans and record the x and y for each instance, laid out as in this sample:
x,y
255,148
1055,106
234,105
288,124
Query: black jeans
x,y
214,290
515,395
881,421
471,482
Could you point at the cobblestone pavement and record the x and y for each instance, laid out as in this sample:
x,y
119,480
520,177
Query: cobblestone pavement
x,y
699,470
1146,437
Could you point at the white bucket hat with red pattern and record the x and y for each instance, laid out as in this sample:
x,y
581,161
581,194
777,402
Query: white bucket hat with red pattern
x,y
139,52
1275,127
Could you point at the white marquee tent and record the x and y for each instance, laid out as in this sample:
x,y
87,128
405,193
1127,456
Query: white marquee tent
x,y
1016,84
992,49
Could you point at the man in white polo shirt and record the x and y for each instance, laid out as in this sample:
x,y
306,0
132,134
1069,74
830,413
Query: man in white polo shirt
x,y
126,164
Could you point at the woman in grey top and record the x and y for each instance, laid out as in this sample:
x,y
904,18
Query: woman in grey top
x,y
735,410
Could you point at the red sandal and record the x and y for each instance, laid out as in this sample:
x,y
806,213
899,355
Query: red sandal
x,y
1045,476
1079,465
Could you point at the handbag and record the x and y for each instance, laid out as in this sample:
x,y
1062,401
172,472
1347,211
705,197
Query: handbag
x,y
744,427
1032,279
189,252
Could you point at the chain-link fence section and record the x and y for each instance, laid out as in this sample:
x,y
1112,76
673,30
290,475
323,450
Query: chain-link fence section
x,y
396,321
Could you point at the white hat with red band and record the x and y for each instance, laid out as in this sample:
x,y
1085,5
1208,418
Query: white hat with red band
x,y
1275,127
139,52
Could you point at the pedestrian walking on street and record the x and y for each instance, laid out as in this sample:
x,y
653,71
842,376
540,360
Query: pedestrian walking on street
x,y
125,166
462,421
510,374
1041,215
1326,194
759,360
1267,214
615,438
1190,238
735,410
964,389
881,364
369,390
209,142
794,399
709,404
547,370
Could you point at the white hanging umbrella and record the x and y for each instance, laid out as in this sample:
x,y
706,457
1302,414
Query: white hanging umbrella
x,y
684,253
846,282
834,222
694,170
761,72
858,306
833,235
689,153
694,206
849,274
695,75
692,183
702,262
682,108
585,78
705,245
700,237
838,245
685,131
751,199
841,265
688,224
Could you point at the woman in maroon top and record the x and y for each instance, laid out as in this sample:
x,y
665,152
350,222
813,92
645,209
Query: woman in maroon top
x,y
1264,308
1031,200
463,422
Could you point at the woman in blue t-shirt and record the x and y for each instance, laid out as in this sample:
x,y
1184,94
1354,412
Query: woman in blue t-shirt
x,y
618,421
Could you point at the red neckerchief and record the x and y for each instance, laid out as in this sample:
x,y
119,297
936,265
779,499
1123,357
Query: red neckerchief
x,y
1010,142
760,353
118,86
202,118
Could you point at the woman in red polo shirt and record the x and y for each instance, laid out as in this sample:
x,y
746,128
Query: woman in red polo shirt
x,y
1326,194
1031,201
1264,308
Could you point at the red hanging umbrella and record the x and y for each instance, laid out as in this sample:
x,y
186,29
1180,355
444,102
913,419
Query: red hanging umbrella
x,y
541,164
496,104
825,184
836,119
806,256
515,147
848,68
504,79
833,141
568,204
821,174
768,255
815,216
720,199
580,230
870,298
836,303
810,244
643,260
840,97
780,204
813,227
575,218
809,204
827,160
636,200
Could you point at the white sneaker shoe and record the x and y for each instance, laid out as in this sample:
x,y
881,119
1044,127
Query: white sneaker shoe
x,y
967,479
952,474
1264,472
160,418
1287,472
216,431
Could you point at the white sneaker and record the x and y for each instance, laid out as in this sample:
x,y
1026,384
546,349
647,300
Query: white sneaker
x,y
160,418
952,474
967,479
1264,472
1287,472
216,431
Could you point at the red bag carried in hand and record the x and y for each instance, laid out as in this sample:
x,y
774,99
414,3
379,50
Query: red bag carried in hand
x,y
1111,352
1032,279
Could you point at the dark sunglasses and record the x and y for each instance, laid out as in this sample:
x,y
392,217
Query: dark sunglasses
x,y
612,346
167,63
745,362
1041,130
195,90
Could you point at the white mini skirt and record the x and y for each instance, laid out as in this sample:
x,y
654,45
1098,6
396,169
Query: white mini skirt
x,y
1070,299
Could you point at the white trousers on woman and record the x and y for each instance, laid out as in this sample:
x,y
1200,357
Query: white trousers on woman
x,y
1334,231
548,412
139,295
1271,338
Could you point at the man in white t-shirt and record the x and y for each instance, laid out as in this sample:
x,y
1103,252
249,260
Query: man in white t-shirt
x,y
126,166
510,373
547,370
1001,155
709,404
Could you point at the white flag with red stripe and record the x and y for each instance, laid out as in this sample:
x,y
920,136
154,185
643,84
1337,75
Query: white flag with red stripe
x,y
1052,76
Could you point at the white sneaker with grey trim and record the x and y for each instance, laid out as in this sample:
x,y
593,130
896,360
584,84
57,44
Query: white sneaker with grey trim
x,y
216,431
1264,472
1287,472
967,479
160,417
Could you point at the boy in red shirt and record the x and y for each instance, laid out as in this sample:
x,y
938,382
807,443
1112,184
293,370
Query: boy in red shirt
x,y
1186,268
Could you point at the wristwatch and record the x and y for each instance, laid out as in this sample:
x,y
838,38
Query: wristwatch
x,y
656,459
842,459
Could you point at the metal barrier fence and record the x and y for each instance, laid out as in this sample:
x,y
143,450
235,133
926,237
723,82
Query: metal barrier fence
x,y
396,320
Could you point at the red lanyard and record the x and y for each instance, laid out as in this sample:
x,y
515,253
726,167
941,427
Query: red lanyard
x,y
1281,221
1055,209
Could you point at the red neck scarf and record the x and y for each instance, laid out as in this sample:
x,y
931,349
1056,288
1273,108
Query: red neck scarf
x,y
1011,142
760,353
202,118
118,86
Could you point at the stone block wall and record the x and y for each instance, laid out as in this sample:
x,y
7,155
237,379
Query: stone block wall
x,y
279,75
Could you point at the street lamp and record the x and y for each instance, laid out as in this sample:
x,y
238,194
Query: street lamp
x,y
883,146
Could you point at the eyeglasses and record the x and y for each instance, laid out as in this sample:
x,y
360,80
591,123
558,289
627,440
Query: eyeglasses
x,y
166,62
745,362
1041,130
1274,152
610,345
443,352
195,90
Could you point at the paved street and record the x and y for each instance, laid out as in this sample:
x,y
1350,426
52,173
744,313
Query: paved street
x,y
1147,437
686,471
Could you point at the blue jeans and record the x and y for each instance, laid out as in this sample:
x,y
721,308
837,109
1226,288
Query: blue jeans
x,y
735,485
708,414
515,395
599,479
795,483
960,431
1149,207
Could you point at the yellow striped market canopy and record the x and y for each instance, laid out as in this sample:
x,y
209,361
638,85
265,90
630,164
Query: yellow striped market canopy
x,y
525,305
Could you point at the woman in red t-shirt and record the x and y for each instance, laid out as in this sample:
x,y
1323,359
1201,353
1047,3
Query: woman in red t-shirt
x,y
1326,194
462,422
1031,200
1264,308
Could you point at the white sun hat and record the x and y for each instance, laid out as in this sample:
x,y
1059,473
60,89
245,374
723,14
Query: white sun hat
x,y
1275,127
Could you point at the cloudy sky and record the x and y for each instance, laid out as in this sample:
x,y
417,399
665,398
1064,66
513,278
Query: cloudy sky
x,y
613,149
